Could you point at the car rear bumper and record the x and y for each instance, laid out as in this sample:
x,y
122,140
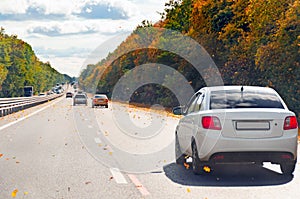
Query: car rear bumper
x,y
258,157
100,104
80,102
265,149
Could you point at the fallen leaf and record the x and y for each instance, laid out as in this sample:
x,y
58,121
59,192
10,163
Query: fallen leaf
x,y
110,153
188,190
89,182
187,166
1,155
25,193
207,169
17,162
111,178
14,193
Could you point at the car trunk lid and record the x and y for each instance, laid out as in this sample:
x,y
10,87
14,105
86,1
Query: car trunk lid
x,y
254,123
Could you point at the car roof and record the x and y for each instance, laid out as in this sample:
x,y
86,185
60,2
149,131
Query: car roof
x,y
80,94
236,87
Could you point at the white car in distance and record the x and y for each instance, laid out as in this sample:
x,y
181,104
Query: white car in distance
x,y
236,124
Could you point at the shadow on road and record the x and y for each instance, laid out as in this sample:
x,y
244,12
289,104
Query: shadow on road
x,y
225,175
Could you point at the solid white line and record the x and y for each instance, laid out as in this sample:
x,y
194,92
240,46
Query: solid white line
x,y
138,185
118,176
27,116
97,140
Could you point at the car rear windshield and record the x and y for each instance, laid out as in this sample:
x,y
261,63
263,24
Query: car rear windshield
x,y
80,96
246,99
100,97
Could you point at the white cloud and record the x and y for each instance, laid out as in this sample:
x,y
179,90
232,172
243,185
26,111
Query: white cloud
x,y
13,6
66,32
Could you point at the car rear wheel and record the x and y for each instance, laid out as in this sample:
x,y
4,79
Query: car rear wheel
x,y
287,169
196,164
180,159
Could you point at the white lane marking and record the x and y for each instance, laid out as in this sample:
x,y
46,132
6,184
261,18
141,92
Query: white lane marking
x,y
97,140
90,126
138,185
29,115
118,176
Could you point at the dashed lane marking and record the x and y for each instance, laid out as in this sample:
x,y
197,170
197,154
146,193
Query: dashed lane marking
x,y
118,176
97,140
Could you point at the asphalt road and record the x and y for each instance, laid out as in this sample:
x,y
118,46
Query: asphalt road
x,y
60,151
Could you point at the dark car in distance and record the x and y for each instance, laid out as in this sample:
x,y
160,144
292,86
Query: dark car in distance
x,y
69,95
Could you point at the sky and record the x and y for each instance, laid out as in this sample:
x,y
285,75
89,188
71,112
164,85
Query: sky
x,y
67,32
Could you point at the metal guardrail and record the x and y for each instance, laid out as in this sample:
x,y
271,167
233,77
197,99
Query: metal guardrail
x,y
12,105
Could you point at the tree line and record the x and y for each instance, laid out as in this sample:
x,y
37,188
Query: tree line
x,y
20,67
253,42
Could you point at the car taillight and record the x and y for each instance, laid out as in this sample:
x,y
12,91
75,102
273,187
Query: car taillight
x,y
211,122
290,123
106,100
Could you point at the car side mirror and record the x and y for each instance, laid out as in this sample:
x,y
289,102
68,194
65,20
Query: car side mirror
x,y
178,110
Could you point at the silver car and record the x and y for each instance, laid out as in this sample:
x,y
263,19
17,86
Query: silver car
x,y
236,124
80,99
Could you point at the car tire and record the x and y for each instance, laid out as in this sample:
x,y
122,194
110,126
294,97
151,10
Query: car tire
x,y
106,106
93,106
179,156
287,169
196,164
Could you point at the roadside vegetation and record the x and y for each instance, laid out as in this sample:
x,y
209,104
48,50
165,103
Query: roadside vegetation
x,y
20,67
253,42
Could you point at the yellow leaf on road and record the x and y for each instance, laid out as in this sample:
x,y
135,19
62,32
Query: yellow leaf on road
x,y
14,193
188,190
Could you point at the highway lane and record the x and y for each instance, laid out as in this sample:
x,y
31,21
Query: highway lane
x,y
43,157
80,152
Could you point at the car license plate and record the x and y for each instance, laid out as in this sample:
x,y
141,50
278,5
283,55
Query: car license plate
x,y
252,125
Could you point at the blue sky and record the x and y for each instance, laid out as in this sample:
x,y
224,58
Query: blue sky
x,y
66,32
